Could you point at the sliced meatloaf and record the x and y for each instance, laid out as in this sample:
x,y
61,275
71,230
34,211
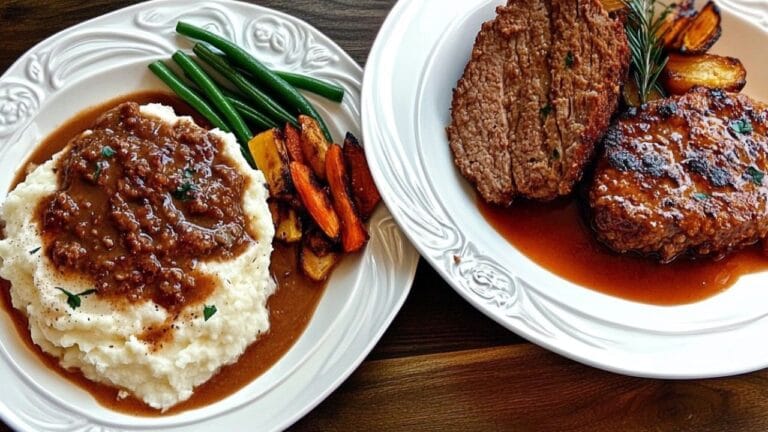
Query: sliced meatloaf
x,y
684,175
537,94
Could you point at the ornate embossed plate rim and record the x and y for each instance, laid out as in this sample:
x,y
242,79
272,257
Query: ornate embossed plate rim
x,y
390,261
399,162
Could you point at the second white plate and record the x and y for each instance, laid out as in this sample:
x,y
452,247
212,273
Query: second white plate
x,y
418,57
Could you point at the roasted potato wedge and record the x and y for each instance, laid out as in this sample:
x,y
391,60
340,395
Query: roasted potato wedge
x,y
631,94
682,73
271,157
364,191
316,267
701,33
313,145
353,233
317,242
274,211
288,226
293,143
677,20
315,200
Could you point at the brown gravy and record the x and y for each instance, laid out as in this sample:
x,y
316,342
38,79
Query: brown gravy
x,y
555,236
139,204
291,307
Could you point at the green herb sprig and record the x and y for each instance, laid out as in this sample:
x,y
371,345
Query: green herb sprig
x,y
209,311
643,30
73,300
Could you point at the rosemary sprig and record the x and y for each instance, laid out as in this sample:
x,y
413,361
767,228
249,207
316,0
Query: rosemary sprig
x,y
643,30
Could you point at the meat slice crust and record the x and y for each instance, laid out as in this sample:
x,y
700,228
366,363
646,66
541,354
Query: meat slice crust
x,y
538,92
684,175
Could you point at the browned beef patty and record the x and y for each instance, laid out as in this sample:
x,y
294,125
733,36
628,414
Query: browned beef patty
x,y
538,92
684,174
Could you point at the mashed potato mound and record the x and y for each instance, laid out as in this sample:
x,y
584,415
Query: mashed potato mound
x,y
102,341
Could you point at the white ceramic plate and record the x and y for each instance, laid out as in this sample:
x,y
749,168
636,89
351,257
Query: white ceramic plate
x,y
108,56
418,57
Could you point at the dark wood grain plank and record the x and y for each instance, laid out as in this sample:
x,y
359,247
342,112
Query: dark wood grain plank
x,y
526,388
436,319
352,24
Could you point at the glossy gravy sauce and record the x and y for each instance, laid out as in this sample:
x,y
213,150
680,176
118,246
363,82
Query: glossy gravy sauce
x,y
556,236
290,308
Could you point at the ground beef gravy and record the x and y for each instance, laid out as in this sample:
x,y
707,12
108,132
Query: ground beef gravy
x,y
291,307
139,203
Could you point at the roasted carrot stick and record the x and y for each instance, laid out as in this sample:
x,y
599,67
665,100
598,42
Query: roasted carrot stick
x,y
353,234
293,143
315,200
364,190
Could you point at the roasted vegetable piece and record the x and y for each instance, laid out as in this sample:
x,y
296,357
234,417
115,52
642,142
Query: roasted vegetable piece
x,y
701,33
293,143
274,212
271,157
317,242
289,225
679,17
671,31
632,97
613,5
682,73
364,191
353,233
314,266
313,145
315,200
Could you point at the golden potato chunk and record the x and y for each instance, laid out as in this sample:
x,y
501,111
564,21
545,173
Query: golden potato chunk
x,y
682,73
271,157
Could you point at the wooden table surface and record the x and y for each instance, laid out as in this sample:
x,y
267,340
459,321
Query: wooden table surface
x,y
443,365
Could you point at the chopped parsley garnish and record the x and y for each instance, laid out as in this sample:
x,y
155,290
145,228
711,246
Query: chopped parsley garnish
x,y
184,192
107,152
188,172
569,59
74,300
742,126
209,311
755,175
545,111
34,251
701,196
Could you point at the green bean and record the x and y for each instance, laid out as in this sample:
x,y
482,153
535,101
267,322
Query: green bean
x,y
209,88
262,101
187,95
245,110
251,114
285,91
323,88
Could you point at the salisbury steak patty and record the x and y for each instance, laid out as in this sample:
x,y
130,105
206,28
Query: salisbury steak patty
x,y
684,174
538,92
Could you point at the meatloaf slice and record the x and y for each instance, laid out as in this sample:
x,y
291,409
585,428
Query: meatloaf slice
x,y
684,174
538,92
